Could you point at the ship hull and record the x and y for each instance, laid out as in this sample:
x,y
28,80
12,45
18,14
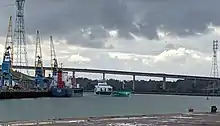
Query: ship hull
x,y
61,92
121,94
103,93
54,92
23,94
67,92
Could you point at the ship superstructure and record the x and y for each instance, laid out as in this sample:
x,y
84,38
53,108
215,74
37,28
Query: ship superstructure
x,y
102,88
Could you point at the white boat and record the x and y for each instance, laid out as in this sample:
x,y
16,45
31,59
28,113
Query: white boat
x,y
102,88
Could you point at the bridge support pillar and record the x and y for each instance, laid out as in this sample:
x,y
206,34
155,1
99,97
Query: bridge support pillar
x,y
123,85
133,86
73,73
103,76
74,78
194,83
164,83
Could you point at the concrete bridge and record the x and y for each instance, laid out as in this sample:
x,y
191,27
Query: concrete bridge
x,y
162,75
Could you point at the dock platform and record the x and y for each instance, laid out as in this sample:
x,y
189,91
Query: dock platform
x,y
183,119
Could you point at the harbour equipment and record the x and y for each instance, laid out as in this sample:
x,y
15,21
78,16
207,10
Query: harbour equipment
x,y
12,89
39,71
6,78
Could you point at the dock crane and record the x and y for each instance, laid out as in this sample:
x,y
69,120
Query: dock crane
x,y
54,63
39,71
9,41
6,78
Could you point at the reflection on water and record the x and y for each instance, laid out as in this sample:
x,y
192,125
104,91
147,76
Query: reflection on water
x,y
90,105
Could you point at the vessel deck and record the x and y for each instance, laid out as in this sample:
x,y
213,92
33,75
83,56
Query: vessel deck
x,y
187,119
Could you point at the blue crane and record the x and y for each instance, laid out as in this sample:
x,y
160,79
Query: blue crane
x,y
6,79
39,71
54,63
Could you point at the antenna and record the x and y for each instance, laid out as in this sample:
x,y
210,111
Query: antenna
x,y
20,53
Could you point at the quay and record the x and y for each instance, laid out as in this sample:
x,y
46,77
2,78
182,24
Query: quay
x,y
189,119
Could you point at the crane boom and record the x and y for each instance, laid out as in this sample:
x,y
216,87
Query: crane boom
x,y
9,42
54,63
39,71
6,78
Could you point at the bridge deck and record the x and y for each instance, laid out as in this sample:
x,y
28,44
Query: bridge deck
x,y
126,73
189,119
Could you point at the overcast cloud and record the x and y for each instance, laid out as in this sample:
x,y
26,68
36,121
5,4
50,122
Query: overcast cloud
x,y
145,35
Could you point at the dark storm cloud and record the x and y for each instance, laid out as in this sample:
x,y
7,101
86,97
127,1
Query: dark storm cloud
x,y
64,18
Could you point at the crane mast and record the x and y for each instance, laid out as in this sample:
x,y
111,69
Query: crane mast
x,y
39,71
54,64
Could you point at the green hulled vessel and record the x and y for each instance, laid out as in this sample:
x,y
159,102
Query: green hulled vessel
x,y
121,93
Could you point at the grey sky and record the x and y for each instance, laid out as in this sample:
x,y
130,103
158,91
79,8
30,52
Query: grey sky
x,y
66,18
87,23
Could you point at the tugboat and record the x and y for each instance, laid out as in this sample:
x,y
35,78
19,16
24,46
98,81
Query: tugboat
x,y
102,88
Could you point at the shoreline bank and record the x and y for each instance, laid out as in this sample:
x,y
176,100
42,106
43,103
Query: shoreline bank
x,y
154,119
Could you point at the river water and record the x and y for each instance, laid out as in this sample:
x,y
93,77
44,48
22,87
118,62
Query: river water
x,y
90,105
